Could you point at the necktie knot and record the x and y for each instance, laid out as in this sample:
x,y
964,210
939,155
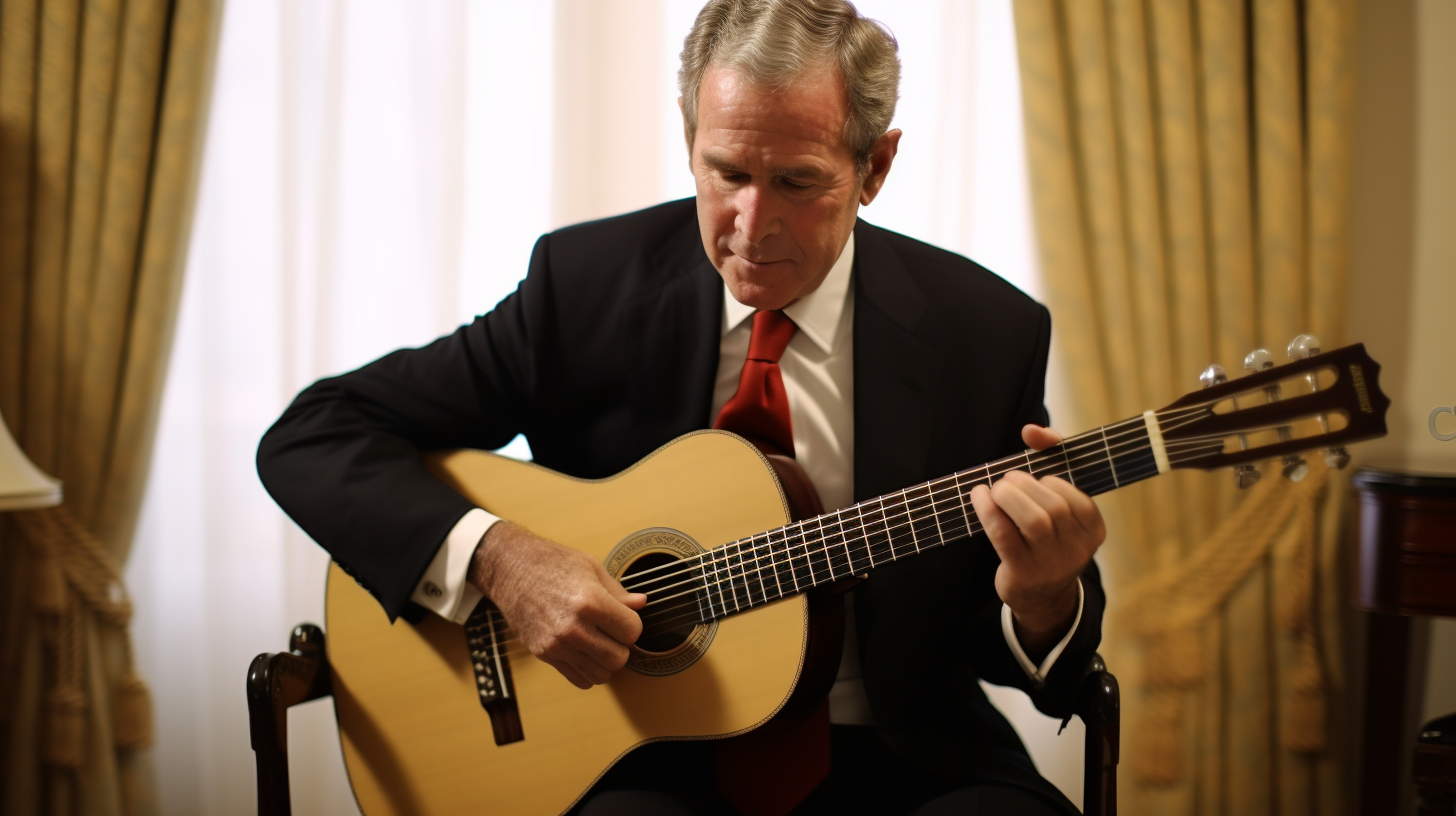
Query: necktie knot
x,y
772,332
759,410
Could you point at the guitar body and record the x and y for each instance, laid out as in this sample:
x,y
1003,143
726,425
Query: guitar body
x,y
417,740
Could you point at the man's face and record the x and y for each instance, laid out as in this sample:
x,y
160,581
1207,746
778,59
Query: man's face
x,y
777,186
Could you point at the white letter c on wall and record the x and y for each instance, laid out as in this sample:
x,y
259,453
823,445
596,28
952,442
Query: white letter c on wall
x,y
1431,421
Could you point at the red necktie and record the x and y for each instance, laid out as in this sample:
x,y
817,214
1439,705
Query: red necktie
x,y
759,410
769,770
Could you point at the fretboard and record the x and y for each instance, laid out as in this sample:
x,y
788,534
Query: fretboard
x,y
849,542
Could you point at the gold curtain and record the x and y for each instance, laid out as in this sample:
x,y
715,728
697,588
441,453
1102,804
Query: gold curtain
x,y
101,111
1189,173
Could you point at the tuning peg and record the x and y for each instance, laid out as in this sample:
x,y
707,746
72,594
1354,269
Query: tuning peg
x,y
1258,360
1295,468
1302,347
1245,476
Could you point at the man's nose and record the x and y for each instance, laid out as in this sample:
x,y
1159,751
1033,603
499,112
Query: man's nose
x,y
757,217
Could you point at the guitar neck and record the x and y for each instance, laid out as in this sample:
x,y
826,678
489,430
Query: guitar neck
x,y
851,541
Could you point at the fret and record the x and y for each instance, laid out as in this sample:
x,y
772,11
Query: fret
x,y
848,537
1111,465
819,566
877,528
738,576
725,579
753,572
728,575
895,518
1132,455
806,570
773,564
924,528
935,513
823,547
703,593
967,509
711,586
1094,469
861,534
1071,476
835,551
789,560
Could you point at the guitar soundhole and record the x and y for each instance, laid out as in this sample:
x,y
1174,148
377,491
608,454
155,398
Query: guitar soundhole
x,y
676,626
661,631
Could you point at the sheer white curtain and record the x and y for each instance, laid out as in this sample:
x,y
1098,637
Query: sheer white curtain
x,y
376,173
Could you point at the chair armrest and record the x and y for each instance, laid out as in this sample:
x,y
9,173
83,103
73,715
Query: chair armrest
x,y
1099,708
275,683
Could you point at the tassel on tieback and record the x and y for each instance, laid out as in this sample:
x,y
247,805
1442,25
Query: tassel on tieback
x,y
65,727
131,712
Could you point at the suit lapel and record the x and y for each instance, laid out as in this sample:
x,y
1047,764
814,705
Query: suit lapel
x,y
676,326
894,373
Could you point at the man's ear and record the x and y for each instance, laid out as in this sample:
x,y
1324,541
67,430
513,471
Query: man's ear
x,y
882,155
687,133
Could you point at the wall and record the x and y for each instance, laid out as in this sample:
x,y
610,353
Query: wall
x,y
1403,256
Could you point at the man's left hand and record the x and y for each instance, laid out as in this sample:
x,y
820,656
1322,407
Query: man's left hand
x,y
1045,531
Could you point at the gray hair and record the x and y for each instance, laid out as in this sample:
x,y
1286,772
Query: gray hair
x,y
773,41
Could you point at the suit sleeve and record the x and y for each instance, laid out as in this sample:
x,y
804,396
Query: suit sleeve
x,y
344,459
995,662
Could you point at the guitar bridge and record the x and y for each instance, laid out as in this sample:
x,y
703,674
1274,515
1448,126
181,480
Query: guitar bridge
x,y
485,638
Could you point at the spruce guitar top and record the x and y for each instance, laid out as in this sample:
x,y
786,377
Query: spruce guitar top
x,y
436,719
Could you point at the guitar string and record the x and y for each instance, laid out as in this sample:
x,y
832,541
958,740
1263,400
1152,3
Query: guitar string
x,y
893,538
835,530
844,556
1200,444
894,541
1015,462
512,645
838,554
1091,442
1191,413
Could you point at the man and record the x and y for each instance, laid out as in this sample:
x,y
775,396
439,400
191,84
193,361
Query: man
x,y
905,363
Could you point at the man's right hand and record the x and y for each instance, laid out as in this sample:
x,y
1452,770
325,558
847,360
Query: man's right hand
x,y
562,603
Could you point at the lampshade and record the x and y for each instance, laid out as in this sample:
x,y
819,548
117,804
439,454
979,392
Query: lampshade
x,y
22,485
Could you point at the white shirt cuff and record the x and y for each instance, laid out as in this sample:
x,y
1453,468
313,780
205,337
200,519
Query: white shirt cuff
x,y
1038,673
443,588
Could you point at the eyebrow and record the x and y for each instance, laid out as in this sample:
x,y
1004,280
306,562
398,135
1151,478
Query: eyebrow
x,y
725,166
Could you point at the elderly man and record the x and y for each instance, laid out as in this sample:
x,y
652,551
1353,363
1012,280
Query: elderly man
x,y
901,363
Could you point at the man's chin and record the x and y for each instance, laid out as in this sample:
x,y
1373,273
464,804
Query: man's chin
x,y
766,298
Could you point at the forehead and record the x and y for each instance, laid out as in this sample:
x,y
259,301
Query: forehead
x,y
805,117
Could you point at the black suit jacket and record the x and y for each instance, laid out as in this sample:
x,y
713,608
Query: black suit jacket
x,y
609,349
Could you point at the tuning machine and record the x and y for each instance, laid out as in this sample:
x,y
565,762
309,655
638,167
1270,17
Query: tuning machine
x,y
1301,347
1245,476
1295,468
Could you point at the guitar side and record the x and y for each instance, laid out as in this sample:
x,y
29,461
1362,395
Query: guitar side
x,y
414,736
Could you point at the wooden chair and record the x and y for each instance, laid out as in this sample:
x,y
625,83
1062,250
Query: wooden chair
x,y
278,681
1434,768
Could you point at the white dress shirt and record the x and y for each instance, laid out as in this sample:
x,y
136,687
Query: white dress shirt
x,y
818,373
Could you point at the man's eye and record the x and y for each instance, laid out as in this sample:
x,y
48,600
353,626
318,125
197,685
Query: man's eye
x,y
795,185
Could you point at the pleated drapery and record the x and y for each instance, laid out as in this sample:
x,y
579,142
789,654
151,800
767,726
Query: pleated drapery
x,y
101,105
1189,171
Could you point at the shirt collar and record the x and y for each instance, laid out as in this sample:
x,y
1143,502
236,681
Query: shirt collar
x,y
817,314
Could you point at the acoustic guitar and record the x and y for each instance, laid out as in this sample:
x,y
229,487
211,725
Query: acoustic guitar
x,y
437,718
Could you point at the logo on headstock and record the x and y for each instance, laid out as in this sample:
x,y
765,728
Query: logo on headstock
x,y
1362,393
1431,422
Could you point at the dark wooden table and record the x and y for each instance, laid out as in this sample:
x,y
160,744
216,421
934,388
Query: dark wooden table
x,y
1406,567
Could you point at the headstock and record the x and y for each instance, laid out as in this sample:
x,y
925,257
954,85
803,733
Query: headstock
x,y
1316,400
